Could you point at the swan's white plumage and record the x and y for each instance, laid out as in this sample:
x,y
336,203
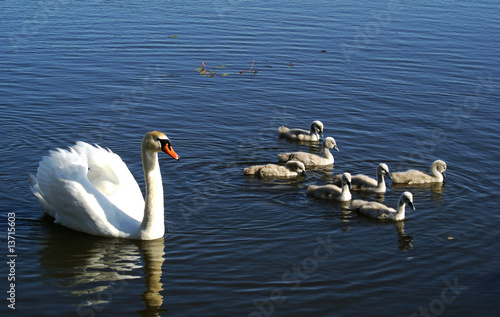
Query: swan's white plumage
x,y
332,192
312,135
310,159
90,189
438,169
75,202
365,183
111,176
380,211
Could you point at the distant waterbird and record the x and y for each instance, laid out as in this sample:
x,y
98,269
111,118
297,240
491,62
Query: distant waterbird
x,y
380,211
412,176
310,159
292,169
314,133
333,192
364,183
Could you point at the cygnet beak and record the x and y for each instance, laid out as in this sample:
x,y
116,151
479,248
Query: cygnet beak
x,y
412,206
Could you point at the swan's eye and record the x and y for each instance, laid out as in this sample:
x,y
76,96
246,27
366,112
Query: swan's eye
x,y
166,142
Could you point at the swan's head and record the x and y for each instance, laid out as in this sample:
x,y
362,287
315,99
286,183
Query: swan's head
x,y
407,198
440,166
296,166
156,141
346,179
317,127
383,169
330,143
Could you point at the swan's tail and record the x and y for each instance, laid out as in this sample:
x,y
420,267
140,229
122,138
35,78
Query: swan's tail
x,y
311,189
282,130
285,157
35,189
252,170
33,182
356,204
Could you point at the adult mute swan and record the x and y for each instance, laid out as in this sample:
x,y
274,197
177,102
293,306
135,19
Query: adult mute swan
x,y
90,189
377,210
310,159
364,183
332,192
302,135
438,169
291,169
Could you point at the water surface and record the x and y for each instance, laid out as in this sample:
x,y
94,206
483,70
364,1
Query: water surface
x,y
394,82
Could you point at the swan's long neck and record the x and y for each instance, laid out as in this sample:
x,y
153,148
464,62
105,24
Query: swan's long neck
x,y
326,153
152,225
313,133
346,193
400,212
436,173
380,182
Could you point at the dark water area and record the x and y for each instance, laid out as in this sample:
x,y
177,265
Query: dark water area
x,y
404,83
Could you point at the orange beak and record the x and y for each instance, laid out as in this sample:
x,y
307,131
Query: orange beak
x,y
167,148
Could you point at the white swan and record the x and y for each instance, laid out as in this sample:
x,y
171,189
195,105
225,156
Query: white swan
x,y
291,169
313,134
377,210
438,169
364,183
90,189
332,192
310,159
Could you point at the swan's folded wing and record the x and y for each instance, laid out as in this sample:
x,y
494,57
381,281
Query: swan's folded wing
x,y
284,157
324,192
73,201
337,179
361,181
304,157
356,204
111,176
376,210
411,177
273,170
294,134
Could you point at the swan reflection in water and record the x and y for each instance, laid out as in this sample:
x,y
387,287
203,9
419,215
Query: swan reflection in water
x,y
437,189
98,271
405,241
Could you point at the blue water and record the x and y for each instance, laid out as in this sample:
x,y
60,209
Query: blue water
x,y
403,83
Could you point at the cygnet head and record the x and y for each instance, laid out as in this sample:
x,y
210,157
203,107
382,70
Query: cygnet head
x,y
440,166
296,166
346,179
317,127
383,169
330,143
407,198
